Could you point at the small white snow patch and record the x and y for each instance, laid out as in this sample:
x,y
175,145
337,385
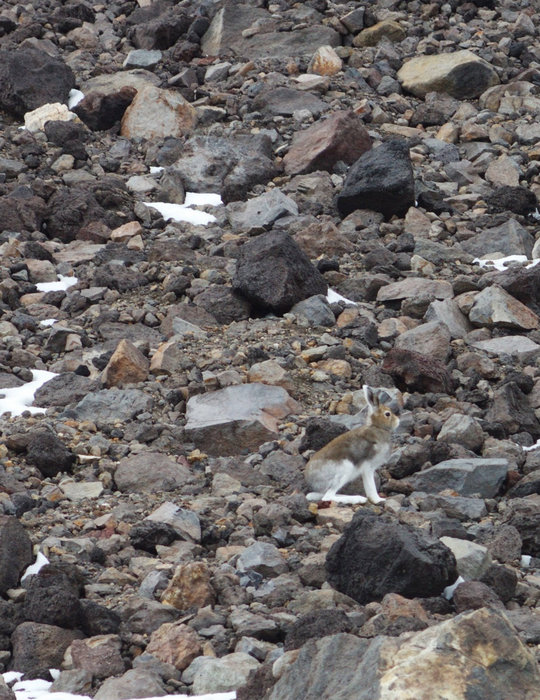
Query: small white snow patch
x,y
449,590
18,399
502,263
156,169
61,284
333,296
536,215
48,322
34,568
526,560
532,447
184,212
74,97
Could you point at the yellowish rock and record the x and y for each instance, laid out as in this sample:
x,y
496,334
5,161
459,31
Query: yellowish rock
x,y
325,61
387,29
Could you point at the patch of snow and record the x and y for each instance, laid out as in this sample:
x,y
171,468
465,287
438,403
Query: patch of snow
x,y
62,284
34,568
501,264
333,296
449,590
184,212
74,97
48,322
200,198
38,689
526,560
155,169
18,399
536,215
532,447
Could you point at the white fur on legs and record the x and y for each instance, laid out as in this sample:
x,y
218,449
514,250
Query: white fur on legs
x,y
337,498
368,479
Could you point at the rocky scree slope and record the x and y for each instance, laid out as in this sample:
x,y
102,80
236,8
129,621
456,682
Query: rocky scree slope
x,y
372,149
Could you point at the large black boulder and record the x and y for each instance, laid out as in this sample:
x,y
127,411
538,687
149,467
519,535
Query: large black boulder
x,y
377,555
273,273
381,180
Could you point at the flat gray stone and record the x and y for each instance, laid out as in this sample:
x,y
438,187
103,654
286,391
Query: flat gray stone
x,y
237,418
149,472
212,675
413,287
448,312
259,213
469,477
509,345
110,405
473,560
495,308
264,558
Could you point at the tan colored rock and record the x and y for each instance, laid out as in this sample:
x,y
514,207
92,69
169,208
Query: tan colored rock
x,y
190,587
339,368
270,372
325,61
175,643
412,287
461,74
126,232
387,29
503,171
126,366
54,111
157,114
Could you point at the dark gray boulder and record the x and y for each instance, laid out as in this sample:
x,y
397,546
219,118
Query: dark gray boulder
x,y
274,274
378,555
381,179
47,452
30,78
15,552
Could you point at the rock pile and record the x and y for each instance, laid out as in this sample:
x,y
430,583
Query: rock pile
x,y
378,166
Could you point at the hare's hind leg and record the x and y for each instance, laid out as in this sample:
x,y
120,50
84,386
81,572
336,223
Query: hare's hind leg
x,y
368,479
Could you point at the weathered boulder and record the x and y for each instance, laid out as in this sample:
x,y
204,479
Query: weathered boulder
x,y
341,136
455,658
46,451
157,113
149,472
30,77
377,555
38,647
461,74
482,475
237,418
381,179
273,273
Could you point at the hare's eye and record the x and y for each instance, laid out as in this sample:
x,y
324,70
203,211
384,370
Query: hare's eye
x,y
387,414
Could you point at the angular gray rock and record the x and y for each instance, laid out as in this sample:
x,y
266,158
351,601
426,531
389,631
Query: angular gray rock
x,y
151,472
259,213
468,477
431,339
263,558
453,658
230,166
273,273
381,179
237,418
473,560
212,675
524,515
493,307
464,430
110,405
135,683
378,555
509,238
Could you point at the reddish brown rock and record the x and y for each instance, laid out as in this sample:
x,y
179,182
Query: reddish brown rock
x,y
342,136
175,643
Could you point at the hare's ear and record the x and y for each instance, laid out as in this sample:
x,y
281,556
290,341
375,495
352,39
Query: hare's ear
x,y
371,399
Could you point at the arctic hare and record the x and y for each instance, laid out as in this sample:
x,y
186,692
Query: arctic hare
x,y
359,452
